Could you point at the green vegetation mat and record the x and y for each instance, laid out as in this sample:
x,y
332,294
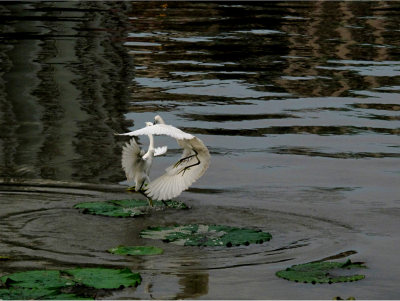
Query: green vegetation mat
x,y
136,250
125,208
322,272
60,285
206,235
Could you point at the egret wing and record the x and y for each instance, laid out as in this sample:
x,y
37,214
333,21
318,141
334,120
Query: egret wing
x,y
161,129
131,159
177,179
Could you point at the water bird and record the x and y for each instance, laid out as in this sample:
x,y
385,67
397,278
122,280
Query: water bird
x,y
192,165
136,163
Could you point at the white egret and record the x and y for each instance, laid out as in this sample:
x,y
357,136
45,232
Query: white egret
x,y
178,177
136,163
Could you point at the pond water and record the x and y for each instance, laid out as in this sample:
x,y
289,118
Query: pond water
x,y
298,103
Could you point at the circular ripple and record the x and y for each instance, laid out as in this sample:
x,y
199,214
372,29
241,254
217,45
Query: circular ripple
x,y
42,226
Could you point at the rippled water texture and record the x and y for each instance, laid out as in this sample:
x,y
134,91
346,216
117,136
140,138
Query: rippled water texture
x,y
298,103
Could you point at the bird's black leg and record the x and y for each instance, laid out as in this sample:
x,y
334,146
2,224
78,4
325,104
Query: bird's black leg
x,y
188,167
186,158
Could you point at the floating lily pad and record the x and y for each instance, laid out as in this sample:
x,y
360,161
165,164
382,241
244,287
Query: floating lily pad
x,y
206,235
125,208
36,293
321,272
39,279
102,278
136,250
63,285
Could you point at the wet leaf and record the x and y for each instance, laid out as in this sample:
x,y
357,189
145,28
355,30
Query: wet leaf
x,y
125,208
19,293
26,293
321,272
206,235
102,278
136,250
37,279
61,285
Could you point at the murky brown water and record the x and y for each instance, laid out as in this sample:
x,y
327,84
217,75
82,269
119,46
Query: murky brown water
x,y
297,101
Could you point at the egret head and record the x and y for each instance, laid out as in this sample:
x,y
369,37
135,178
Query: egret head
x,y
148,123
158,120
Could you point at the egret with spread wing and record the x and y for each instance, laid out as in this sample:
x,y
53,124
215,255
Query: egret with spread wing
x,y
137,163
178,177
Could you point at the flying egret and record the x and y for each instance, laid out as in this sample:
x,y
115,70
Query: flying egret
x,y
136,163
178,177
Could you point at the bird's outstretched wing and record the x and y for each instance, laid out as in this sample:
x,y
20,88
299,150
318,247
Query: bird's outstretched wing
x,y
177,178
131,158
161,129
158,151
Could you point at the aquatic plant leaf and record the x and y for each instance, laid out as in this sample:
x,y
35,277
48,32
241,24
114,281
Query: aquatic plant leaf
x,y
125,208
4,258
136,250
206,235
42,279
105,208
103,278
19,293
27,294
321,272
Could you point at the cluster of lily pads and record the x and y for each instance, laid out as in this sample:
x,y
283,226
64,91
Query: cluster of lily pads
x,y
79,283
85,283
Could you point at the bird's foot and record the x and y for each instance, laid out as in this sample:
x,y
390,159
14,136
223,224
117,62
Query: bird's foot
x,y
183,160
183,170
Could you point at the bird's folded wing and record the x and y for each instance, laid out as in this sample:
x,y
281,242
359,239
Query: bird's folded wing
x,y
131,156
175,180
161,129
158,151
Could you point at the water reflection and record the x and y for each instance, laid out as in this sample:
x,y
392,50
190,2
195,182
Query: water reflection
x,y
297,101
66,88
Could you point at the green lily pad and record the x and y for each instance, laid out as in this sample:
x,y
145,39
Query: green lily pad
x,y
19,293
26,294
102,278
321,272
64,285
39,279
206,235
125,208
136,250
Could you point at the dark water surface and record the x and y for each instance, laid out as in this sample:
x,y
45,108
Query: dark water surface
x,y
298,103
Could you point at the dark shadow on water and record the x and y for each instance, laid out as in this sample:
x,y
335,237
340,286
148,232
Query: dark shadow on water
x,y
66,77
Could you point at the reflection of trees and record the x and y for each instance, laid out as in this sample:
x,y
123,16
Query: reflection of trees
x,y
65,89
313,33
355,31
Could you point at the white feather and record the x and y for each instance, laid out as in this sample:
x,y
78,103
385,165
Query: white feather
x,y
161,129
194,161
158,151
174,181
